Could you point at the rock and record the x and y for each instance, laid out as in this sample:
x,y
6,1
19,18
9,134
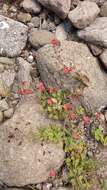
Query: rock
x,y
4,90
96,33
31,6
60,7
24,17
3,105
47,186
8,113
51,61
35,21
6,80
23,160
1,116
24,72
84,14
103,58
39,38
7,61
96,50
8,77
103,10
99,2
102,159
30,59
12,44
60,33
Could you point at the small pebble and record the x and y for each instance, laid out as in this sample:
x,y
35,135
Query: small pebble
x,y
30,58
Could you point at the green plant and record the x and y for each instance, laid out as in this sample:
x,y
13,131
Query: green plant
x,y
55,104
58,104
50,134
103,184
99,135
79,167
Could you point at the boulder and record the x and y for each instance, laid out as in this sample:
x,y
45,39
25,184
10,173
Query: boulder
x,y
51,61
39,38
13,37
60,7
31,6
84,14
96,33
24,160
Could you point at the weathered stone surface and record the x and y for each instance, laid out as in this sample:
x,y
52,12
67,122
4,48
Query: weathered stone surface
x,y
13,37
60,7
84,14
23,160
50,62
96,33
103,10
39,38
31,6
103,58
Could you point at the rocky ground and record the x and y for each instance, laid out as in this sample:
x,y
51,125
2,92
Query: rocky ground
x,y
38,40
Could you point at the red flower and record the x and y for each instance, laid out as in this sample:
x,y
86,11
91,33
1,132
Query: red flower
x,y
67,70
55,42
50,101
51,90
41,87
72,116
75,135
86,120
52,173
67,106
24,91
98,115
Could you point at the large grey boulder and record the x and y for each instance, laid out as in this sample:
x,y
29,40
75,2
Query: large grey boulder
x,y
96,33
60,7
13,37
23,160
51,61
84,14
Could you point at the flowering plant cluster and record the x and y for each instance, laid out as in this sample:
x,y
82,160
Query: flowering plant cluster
x,y
58,104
